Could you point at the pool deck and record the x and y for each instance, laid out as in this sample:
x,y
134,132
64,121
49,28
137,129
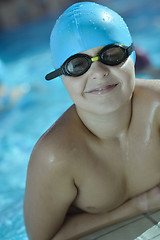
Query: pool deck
x,y
143,227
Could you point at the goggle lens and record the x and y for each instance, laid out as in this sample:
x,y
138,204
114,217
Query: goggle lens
x,y
113,56
77,66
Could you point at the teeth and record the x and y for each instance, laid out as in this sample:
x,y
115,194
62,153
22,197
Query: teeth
x,y
100,89
103,88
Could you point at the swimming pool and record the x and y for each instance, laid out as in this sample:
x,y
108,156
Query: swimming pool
x,y
26,55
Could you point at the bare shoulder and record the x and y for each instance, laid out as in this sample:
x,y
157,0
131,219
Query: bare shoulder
x,y
56,141
147,89
50,157
50,188
152,85
147,95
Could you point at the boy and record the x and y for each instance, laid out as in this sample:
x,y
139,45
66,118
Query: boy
x,y
100,162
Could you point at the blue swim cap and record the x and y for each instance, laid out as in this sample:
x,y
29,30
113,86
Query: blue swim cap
x,y
84,26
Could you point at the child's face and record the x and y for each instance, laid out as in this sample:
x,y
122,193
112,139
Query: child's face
x,y
102,89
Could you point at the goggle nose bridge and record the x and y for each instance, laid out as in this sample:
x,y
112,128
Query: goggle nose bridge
x,y
94,59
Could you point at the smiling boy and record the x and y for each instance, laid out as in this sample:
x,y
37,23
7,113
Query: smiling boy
x,y
100,162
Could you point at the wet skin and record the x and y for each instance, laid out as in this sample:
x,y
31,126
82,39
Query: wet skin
x,y
103,151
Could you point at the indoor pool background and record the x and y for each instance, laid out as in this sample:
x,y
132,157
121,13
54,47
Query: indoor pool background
x,y
26,57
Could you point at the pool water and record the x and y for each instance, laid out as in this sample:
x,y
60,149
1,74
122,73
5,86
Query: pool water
x,y
26,55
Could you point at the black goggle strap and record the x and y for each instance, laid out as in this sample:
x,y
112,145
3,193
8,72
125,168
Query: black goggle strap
x,y
54,74
130,49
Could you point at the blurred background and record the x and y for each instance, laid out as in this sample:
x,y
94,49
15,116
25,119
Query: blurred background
x,y
29,104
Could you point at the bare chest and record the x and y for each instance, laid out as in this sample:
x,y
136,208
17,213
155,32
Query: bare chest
x,y
100,188
108,177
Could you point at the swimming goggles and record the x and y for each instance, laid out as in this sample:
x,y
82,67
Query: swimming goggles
x,y
78,64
